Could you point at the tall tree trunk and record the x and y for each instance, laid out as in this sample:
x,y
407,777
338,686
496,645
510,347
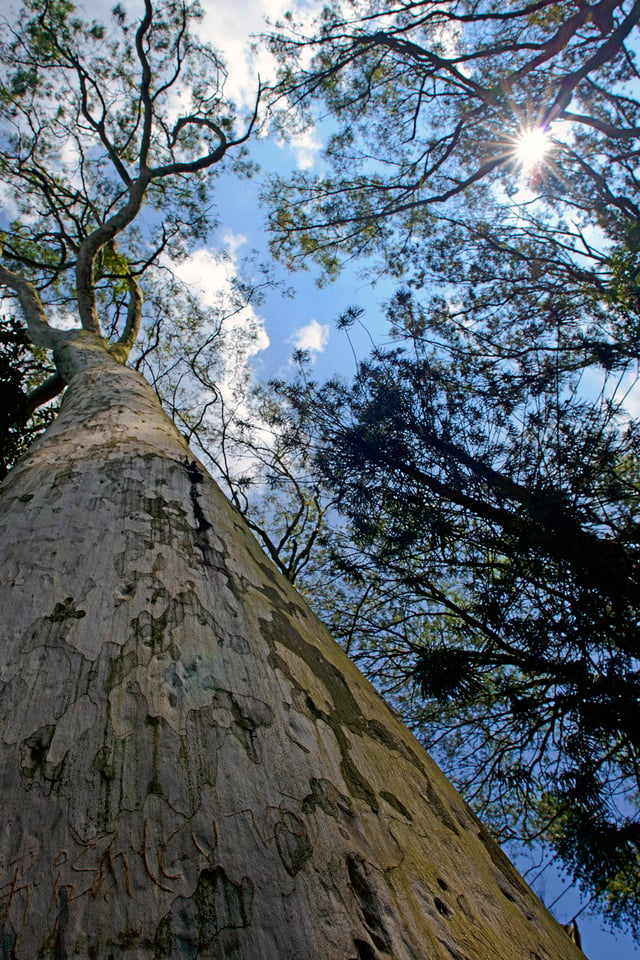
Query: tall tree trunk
x,y
191,767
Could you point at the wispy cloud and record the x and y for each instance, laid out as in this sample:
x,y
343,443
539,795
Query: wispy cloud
x,y
249,61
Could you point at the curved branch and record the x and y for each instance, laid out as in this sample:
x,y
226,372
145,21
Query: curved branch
x,y
39,330
94,242
107,231
213,156
145,84
194,166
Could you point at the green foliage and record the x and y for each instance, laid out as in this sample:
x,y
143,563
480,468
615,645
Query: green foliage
x,y
108,185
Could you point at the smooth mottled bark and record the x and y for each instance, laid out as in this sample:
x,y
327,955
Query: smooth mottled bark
x,y
191,767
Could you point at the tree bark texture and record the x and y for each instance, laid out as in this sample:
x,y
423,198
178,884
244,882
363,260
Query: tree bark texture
x,y
190,766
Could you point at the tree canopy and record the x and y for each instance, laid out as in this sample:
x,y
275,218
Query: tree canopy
x,y
430,102
491,568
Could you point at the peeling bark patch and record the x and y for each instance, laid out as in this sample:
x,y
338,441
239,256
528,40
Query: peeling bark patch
x,y
362,884
239,645
293,843
326,796
220,903
103,764
503,864
442,908
358,786
452,951
345,713
194,923
249,714
393,801
33,752
278,597
439,809
347,710
156,632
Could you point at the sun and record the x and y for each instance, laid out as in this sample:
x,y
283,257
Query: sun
x,y
531,147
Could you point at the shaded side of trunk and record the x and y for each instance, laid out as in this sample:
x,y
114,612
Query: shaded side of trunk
x,y
191,767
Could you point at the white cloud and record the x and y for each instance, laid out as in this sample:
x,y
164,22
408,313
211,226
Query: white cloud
x,y
210,279
231,27
313,337
236,36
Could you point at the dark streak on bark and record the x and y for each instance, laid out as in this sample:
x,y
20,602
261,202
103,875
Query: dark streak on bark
x,y
60,951
196,477
195,923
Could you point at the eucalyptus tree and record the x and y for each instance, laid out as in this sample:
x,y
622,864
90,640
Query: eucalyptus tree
x,y
190,767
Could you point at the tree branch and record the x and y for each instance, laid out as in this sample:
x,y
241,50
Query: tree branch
x,y
134,313
48,390
33,311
